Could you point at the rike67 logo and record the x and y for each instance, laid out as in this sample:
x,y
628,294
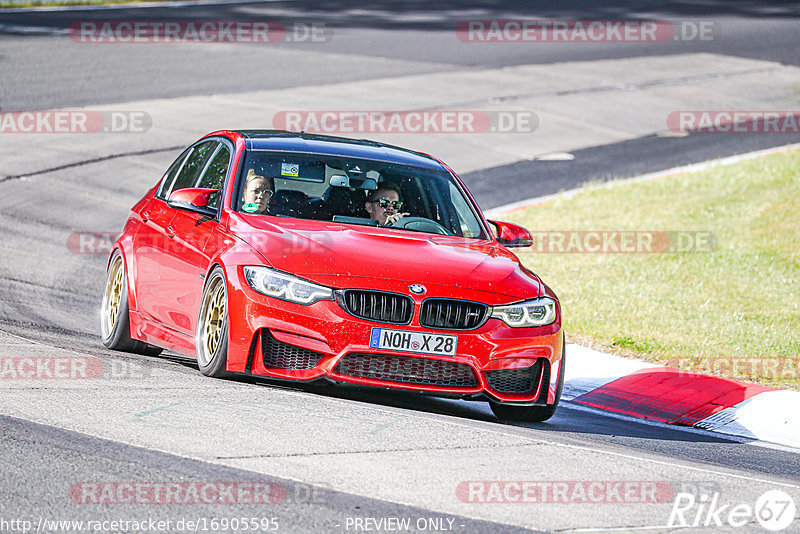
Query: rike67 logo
x,y
774,510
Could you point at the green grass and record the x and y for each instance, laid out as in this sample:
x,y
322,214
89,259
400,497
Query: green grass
x,y
734,312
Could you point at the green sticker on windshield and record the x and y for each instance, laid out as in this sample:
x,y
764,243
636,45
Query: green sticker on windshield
x,y
250,207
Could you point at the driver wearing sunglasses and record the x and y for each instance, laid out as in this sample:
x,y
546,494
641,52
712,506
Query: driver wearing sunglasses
x,y
384,204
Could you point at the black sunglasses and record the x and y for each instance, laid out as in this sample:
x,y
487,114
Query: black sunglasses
x,y
385,203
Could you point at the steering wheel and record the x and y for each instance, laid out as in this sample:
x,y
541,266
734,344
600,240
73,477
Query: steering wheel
x,y
421,224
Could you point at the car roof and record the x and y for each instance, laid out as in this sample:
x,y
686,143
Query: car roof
x,y
335,146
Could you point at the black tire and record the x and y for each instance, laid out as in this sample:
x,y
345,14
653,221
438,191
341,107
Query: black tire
x,y
509,412
211,341
115,328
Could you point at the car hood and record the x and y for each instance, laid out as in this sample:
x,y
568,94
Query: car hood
x,y
342,255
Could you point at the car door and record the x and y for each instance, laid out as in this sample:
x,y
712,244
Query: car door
x,y
148,243
154,246
187,261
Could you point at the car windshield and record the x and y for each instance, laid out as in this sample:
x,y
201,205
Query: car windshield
x,y
354,191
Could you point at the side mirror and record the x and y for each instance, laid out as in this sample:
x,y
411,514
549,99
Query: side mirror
x,y
193,199
512,235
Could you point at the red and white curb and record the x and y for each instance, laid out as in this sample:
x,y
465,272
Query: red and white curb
x,y
674,396
634,388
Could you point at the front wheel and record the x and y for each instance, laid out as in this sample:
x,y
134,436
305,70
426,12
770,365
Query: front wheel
x,y
509,412
114,312
212,327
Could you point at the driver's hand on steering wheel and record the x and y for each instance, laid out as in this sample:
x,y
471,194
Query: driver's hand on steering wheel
x,y
394,217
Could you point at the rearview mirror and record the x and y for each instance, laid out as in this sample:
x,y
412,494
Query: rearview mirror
x,y
340,180
512,235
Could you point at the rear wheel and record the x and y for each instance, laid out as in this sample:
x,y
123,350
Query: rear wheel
x,y
509,412
212,327
114,313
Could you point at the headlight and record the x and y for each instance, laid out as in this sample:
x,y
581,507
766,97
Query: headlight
x,y
536,312
285,286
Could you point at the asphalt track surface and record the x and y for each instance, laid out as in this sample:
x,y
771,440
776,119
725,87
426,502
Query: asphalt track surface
x,y
53,436
44,75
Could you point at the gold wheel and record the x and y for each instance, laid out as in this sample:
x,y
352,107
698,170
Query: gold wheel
x,y
213,316
112,297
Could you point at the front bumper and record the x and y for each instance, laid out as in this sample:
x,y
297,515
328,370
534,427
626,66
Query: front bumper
x,y
278,339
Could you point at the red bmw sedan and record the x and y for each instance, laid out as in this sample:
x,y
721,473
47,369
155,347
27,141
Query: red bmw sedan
x,y
306,257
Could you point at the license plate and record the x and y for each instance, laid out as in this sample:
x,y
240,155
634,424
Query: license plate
x,y
420,342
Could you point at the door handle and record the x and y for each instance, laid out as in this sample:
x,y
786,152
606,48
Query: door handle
x,y
145,216
170,232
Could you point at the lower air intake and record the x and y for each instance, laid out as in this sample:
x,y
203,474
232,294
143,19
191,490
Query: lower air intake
x,y
516,380
280,355
407,370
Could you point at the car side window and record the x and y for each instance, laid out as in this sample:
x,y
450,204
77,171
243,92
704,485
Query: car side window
x,y
169,176
470,227
214,175
194,165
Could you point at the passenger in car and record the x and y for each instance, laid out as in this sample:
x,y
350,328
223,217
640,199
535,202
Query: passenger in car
x,y
258,191
384,204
